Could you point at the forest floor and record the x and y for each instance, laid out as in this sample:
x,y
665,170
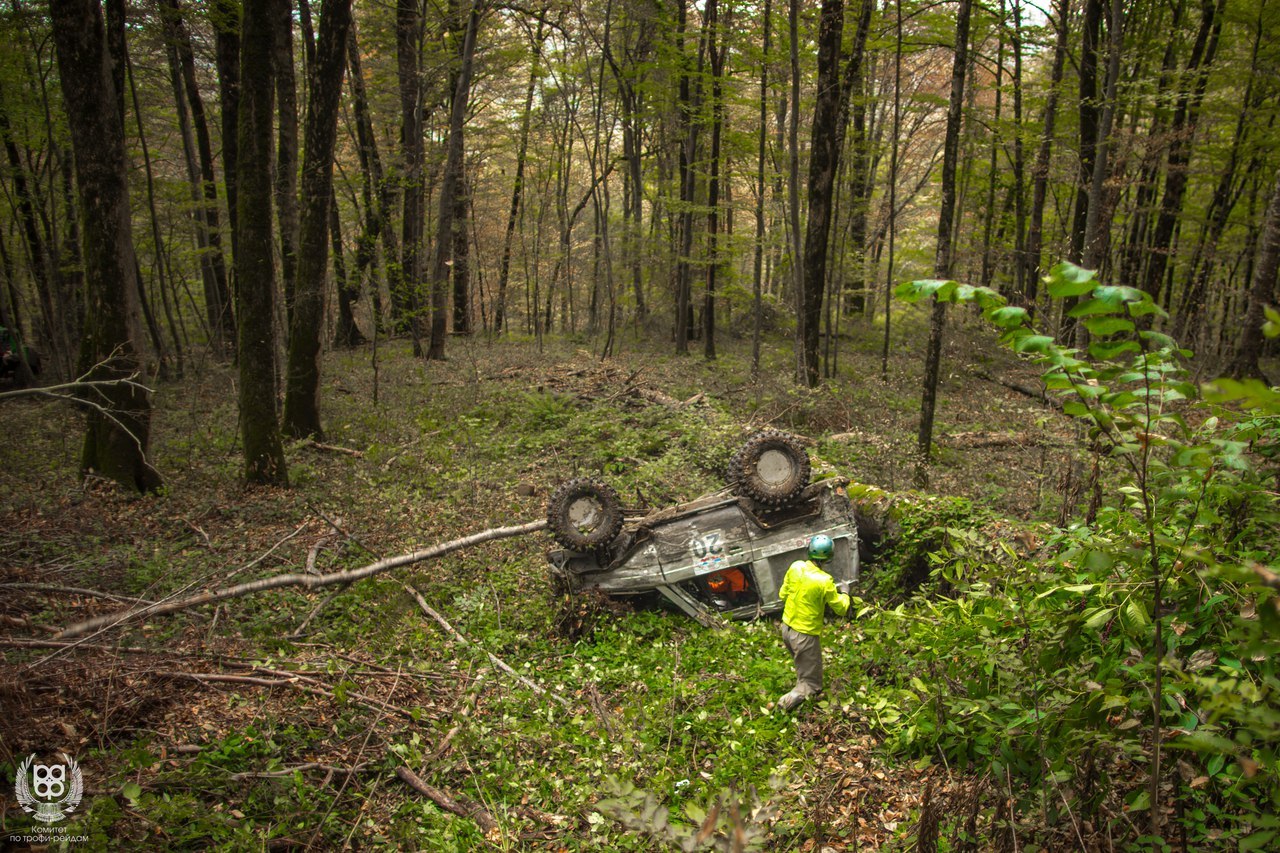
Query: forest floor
x,y
280,719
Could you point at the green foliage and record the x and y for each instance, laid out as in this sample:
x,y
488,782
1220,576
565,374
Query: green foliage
x,y
1154,615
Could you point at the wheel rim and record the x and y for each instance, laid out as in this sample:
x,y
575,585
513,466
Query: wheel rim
x,y
775,467
585,514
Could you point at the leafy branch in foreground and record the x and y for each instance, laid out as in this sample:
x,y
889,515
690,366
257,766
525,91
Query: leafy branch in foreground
x,y
1172,569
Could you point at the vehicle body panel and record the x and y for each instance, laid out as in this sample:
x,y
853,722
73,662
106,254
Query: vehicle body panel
x,y
687,552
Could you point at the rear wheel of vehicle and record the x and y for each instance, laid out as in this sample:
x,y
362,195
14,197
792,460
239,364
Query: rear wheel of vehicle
x,y
584,514
772,468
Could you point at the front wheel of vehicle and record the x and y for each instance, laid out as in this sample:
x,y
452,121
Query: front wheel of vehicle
x,y
772,468
584,514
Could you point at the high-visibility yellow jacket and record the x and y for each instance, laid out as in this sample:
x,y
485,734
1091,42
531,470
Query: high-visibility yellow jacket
x,y
807,591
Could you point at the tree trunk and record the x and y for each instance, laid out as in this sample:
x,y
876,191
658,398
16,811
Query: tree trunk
x,y
758,260
824,161
1040,171
717,55
286,170
217,292
461,257
517,189
1261,291
225,15
255,268
793,189
301,402
119,420
405,304
450,188
379,200
943,256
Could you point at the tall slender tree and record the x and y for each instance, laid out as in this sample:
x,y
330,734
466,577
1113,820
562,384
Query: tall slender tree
x,y
255,265
324,87
944,253
119,421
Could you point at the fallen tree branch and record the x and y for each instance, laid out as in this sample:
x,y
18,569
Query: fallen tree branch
x,y
294,681
497,661
299,580
1025,390
332,770
455,804
75,590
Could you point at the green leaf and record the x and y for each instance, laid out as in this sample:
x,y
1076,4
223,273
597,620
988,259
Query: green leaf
x,y
1105,327
1141,309
1107,350
131,791
1092,306
1075,409
1258,840
1008,317
1032,343
1271,328
1159,339
1067,279
1095,620
1118,295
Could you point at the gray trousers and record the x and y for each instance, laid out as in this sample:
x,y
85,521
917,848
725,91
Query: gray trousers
x,y
806,651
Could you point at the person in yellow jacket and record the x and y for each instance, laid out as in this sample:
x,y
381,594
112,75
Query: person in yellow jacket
x,y
807,591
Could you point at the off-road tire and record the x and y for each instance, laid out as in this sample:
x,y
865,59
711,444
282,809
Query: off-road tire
x,y
584,514
772,468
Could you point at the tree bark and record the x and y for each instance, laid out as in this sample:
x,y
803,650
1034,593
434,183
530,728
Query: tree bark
x,y
405,304
943,256
255,267
450,187
824,161
301,402
225,16
116,440
1261,291
286,167
517,189
217,291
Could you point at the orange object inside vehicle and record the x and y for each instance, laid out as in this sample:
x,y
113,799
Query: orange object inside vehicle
x,y
727,581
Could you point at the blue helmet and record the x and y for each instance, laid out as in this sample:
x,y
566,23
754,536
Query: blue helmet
x,y
821,548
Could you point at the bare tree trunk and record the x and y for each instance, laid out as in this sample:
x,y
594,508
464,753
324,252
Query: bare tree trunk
x,y
225,15
408,39
302,388
1261,291
450,188
517,189
286,171
1040,171
118,433
943,257
217,292
717,55
824,161
758,261
255,266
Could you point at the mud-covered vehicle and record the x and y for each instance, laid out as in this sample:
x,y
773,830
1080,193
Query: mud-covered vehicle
x,y
724,553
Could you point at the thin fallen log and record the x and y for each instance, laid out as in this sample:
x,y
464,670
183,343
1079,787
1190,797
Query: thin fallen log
x,y
295,682
1025,390
74,590
331,769
455,804
305,581
497,661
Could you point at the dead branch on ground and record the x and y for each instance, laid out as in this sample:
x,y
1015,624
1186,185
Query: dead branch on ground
x,y
305,581
497,661
456,804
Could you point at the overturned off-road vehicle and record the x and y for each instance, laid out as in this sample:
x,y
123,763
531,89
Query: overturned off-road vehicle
x,y
724,553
